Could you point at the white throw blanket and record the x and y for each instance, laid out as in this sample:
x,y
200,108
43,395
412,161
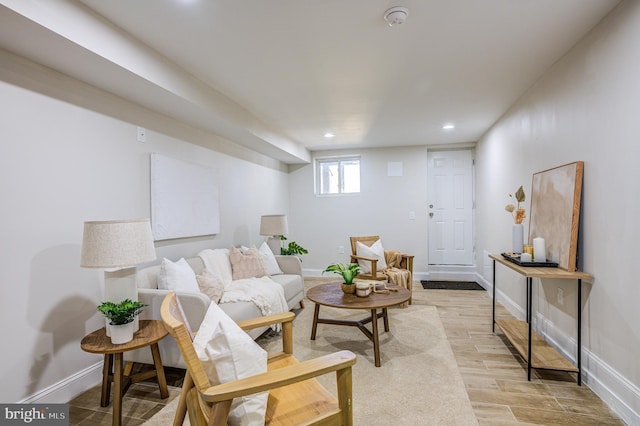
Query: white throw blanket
x,y
265,293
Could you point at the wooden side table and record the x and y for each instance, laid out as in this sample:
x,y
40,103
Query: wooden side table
x,y
149,334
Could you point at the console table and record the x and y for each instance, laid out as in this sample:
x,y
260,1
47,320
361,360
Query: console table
x,y
529,344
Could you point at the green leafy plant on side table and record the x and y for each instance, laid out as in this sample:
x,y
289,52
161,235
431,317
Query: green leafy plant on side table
x,y
121,318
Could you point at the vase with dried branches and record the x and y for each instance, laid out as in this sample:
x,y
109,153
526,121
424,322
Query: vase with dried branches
x,y
519,215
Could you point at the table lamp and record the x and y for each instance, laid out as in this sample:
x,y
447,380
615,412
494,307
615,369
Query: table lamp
x,y
117,246
274,226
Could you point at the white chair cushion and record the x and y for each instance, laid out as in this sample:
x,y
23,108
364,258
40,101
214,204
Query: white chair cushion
x,y
376,251
227,354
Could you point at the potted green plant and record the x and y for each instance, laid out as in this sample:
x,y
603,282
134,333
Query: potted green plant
x,y
348,273
121,318
292,248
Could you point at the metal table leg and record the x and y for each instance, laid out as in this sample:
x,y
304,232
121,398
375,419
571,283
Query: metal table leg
x,y
493,314
529,294
579,355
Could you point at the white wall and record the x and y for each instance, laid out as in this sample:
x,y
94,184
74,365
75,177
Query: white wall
x,y
62,164
322,224
584,108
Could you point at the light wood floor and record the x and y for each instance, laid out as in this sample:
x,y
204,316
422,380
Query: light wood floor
x,y
494,375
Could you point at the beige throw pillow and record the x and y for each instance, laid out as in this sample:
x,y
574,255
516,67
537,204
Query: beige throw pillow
x,y
249,264
211,284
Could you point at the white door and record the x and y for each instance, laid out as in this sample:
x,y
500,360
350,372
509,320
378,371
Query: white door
x,y
450,207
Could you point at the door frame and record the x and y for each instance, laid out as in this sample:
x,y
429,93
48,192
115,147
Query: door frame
x,y
455,272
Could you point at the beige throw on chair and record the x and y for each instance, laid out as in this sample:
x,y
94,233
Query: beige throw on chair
x,y
399,270
395,275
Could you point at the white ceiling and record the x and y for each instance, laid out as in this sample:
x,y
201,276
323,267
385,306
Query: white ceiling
x,y
277,75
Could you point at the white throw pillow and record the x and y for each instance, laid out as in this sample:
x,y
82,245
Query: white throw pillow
x,y
376,251
217,260
269,260
177,276
227,354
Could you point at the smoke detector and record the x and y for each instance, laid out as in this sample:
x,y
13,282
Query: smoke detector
x,y
396,15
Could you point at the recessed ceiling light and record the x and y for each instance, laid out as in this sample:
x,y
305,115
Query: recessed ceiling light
x,y
329,135
448,126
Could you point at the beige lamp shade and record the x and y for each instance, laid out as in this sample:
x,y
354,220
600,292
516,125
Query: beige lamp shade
x,y
274,224
117,243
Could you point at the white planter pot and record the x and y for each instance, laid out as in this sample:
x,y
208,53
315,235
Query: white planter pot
x,y
122,333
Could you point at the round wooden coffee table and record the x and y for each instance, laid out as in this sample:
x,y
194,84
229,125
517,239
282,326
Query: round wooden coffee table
x,y
330,294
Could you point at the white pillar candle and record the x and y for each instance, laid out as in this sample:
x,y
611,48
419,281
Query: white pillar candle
x,y
539,252
525,257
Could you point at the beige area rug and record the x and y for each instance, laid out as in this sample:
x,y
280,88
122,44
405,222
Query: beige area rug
x,y
418,382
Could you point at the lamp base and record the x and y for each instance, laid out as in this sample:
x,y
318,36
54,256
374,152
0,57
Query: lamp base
x,y
120,285
275,244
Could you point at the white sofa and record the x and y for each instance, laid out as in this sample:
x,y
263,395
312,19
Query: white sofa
x,y
196,304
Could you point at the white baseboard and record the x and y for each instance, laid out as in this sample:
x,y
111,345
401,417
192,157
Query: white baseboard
x,y
615,390
314,273
449,273
67,389
622,396
515,309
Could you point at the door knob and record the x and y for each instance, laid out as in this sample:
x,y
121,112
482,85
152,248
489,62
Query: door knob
x,y
430,206
430,214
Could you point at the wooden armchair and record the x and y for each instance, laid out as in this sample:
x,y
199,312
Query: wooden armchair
x,y
295,396
406,261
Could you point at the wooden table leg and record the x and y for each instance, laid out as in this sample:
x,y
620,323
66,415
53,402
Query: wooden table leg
x,y
386,319
157,361
106,380
315,321
117,390
376,340
128,368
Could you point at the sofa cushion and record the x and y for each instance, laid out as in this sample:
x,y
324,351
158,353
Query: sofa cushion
x,y
270,261
291,284
211,284
376,251
246,265
227,354
177,276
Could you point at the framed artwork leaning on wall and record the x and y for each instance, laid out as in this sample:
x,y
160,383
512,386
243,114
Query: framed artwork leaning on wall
x,y
555,212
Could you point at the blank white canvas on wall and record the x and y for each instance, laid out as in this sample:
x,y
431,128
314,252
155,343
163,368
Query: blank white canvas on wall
x,y
184,199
